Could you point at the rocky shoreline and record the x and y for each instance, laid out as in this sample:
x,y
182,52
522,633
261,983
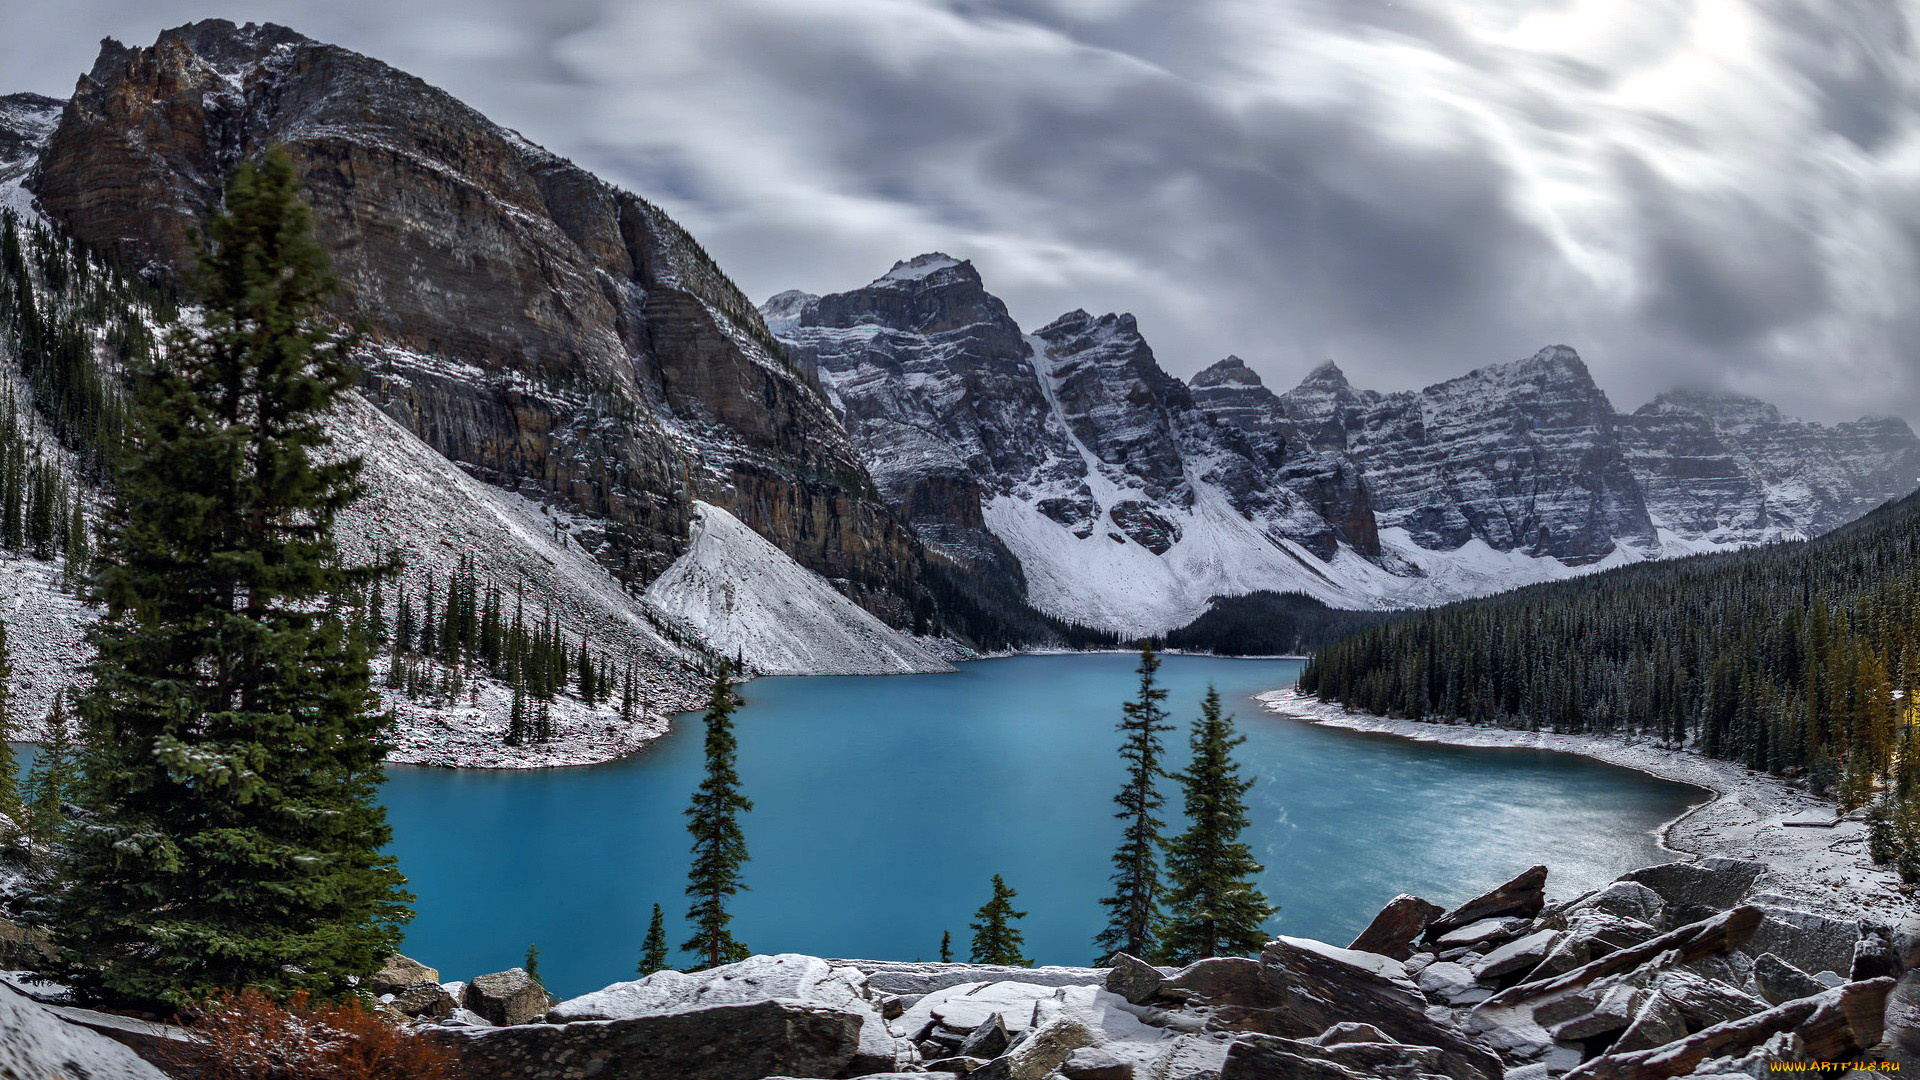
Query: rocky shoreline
x,y
1679,969
1813,856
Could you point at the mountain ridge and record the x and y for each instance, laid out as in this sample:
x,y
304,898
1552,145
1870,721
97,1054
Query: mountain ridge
x,y
1514,472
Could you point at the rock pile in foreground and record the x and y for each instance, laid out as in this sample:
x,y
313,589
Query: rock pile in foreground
x,y
1673,970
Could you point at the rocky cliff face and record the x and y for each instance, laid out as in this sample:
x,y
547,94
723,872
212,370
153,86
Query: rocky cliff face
x,y
25,122
1129,499
557,336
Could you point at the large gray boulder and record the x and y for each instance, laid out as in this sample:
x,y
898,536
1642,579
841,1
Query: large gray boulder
x,y
1523,898
1398,925
1266,1057
1321,985
790,977
1813,943
36,1044
506,997
722,1042
400,973
1698,889
910,979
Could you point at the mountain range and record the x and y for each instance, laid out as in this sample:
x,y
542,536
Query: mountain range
x,y
560,384
1128,499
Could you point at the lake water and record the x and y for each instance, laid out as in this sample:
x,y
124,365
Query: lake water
x,y
884,805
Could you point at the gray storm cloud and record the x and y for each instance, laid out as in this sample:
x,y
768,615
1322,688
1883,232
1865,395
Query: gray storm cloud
x,y
1720,193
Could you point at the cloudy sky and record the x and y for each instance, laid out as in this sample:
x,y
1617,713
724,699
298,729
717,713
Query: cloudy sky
x,y
1721,193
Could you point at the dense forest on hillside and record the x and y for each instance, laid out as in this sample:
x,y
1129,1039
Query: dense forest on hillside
x,y
1799,659
1268,623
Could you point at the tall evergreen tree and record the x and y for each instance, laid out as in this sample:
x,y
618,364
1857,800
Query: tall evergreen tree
x,y
946,946
1213,906
653,950
10,802
232,747
719,846
51,781
1133,911
995,939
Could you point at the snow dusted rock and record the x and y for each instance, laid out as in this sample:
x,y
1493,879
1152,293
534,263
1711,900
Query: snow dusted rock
x,y
1779,981
1134,979
720,1042
1813,943
35,1043
912,978
1479,932
506,997
1323,985
1266,1057
426,1000
1044,1049
1626,899
748,599
400,973
1398,925
1452,983
787,977
1523,897
1699,888
1517,957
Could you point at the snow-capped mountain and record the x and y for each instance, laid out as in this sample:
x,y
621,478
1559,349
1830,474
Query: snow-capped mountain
x,y
1129,498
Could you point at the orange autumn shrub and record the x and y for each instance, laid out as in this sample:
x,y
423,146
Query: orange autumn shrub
x,y
252,1036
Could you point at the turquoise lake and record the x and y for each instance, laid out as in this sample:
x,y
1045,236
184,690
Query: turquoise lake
x,y
884,804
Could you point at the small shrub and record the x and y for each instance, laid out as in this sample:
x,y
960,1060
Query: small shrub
x,y
252,1036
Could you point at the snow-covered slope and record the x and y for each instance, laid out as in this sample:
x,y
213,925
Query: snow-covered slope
x,y
749,600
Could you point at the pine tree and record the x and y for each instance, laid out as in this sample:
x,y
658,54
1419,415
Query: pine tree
x,y
517,716
51,781
995,939
946,946
1133,911
1213,906
719,846
10,801
533,963
653,951
232,748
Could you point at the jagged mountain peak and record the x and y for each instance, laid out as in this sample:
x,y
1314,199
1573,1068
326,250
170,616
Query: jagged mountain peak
x,y
933,268
1326,376
1078,323
1554,360
1231,372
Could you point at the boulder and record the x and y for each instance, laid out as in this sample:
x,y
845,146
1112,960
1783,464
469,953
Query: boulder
x,y
1522,897
777,977
1322,985
400,973
1038,1055
1810,942
721,1042
1703,1002
1481,932
507,997
1398,925
1698,888
1874,956
1780,982
426,1000
1605,931
1655,1023
1837,1025
988,1041
1517,957
1267,1057
910,979
1627,899
1451,983
1093,1063
1134,979
948,1016
1350,1032
36,1043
